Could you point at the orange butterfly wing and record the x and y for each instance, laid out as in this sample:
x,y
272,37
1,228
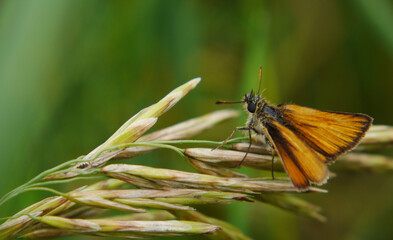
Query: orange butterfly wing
x,y
302,164
328,133
307,139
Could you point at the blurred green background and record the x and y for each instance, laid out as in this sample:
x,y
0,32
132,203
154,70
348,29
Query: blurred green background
x,y
71,72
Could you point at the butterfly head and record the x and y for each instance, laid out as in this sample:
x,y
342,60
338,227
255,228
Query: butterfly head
x,y
252,102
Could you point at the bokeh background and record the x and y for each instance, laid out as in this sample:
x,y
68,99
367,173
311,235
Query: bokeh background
x,y
71,72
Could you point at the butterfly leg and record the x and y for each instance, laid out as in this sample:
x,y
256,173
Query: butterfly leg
x,y
273,152
249,146
230,135
270,148
272,164
248,150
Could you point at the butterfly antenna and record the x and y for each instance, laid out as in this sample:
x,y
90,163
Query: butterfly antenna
x,y
228,102
260,79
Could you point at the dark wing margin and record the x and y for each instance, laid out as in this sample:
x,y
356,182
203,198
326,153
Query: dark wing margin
x,y
328,133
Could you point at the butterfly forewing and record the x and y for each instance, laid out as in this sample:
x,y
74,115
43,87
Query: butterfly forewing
x,y
301,162
328,133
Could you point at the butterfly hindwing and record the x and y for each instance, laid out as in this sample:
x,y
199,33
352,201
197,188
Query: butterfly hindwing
x,y
301,162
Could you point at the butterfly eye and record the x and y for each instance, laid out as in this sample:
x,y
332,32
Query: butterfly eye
x,y
251,107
